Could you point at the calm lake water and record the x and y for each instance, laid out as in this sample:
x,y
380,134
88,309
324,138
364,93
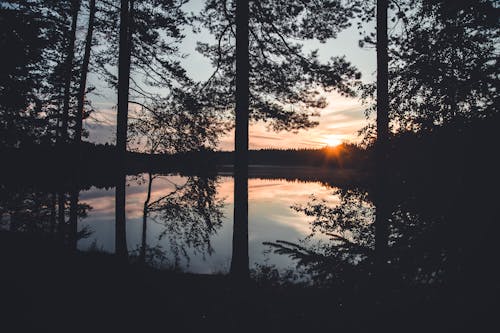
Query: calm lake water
x,y
189,222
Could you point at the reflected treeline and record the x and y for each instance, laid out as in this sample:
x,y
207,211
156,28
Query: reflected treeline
x,y
189,216
33,210
350,229
441,238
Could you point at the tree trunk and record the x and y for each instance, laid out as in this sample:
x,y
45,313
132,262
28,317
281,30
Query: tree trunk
x,y
382,207
84,72
239,263
121,124
120,225
70,55
145,221
123,76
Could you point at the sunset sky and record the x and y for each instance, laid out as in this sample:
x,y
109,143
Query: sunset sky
x,y
339,121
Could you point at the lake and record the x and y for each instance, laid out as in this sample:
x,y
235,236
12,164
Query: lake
x,y
189,224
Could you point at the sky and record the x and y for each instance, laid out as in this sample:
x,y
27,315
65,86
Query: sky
x,y
340,121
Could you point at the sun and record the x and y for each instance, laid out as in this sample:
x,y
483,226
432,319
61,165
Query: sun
x,y
332,141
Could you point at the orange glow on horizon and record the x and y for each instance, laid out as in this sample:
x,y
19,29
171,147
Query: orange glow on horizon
x,y
333,142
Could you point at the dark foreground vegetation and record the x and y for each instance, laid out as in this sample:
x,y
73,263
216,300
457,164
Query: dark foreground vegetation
x,y
47,288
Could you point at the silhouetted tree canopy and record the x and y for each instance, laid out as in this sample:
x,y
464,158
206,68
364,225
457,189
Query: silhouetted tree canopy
x,y
443,62
33,32
285,82
190,214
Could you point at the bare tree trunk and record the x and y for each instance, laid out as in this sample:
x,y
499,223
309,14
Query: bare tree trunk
x,y
239,263
70,55
123,76
382,208
84,72
120,225
124,58
145,220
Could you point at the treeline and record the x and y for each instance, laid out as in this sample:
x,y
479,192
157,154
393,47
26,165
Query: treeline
x,y
342,156
450,149
97,163
102,159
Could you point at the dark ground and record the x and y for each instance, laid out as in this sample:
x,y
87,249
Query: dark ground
x,y
46,288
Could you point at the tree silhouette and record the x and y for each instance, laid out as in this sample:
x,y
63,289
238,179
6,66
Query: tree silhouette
x,y
24,97
80,112
381,153
33,209
239,262
190,214
442,64
253,45
288,101
445,64
68,65
125,49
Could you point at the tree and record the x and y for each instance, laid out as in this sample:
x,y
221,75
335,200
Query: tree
x,y
443,63
174,124
190,213
80,112
239,262
154,67
445,67
69,65
125,49
254,44
49,110
23,25
381,153
292,96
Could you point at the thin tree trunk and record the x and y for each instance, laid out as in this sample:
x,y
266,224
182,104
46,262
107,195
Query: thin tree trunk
x,y
121,124
123,76
70,55
382,208
239,263
84,72
120,225
145,220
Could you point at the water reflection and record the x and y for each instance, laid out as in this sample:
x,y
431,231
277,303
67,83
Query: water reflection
x,y
186,222
433,238
189,214
40,210
176,222
240,260
120,218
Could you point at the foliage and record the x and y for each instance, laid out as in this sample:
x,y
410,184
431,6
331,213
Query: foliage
x,y
443,62
32,34
174,124
190,214
285,83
